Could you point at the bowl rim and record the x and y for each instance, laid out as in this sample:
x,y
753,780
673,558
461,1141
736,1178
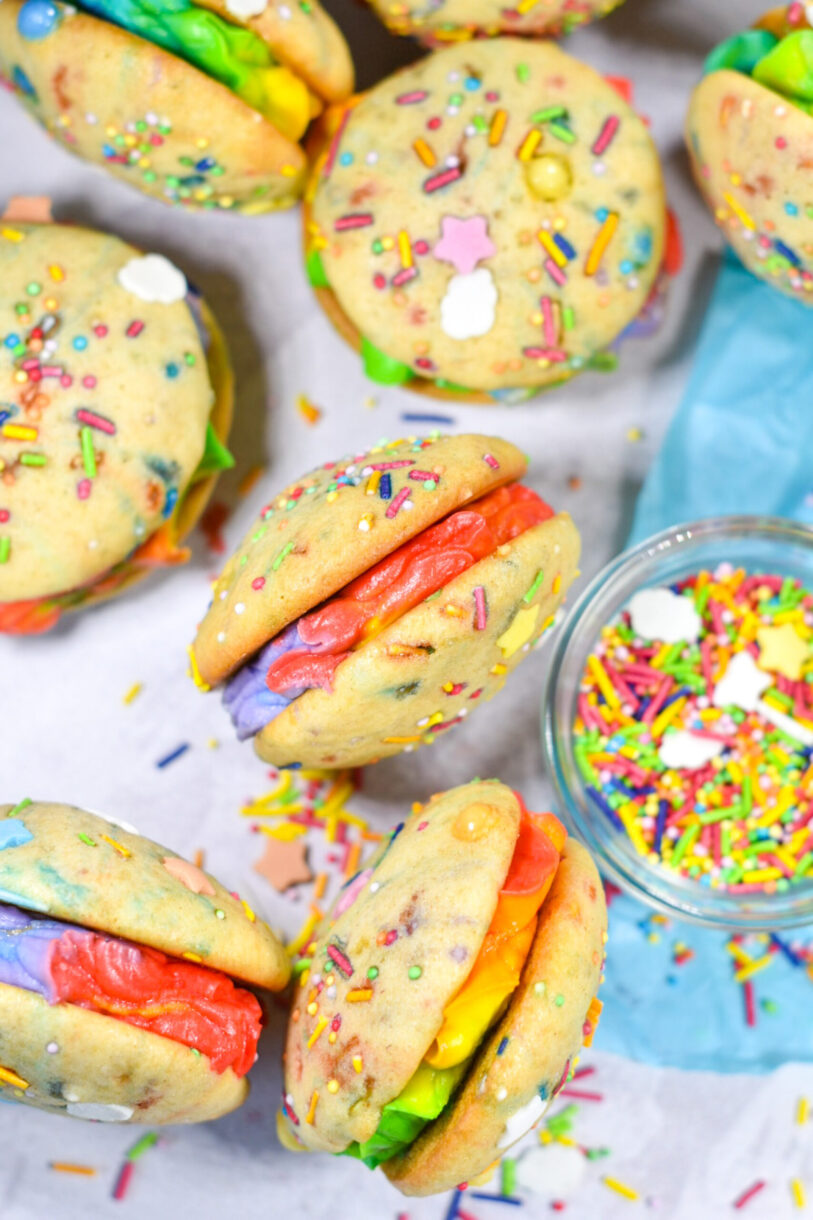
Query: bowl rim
x,y
688,901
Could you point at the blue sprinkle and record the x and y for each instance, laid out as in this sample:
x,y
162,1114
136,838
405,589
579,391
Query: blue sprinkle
x,y
421,417
472,84
605,807
660,824
502,1046
37,19
11,340
172,370
205,164
479,1194
543,1092
385,486
4,415
23,83
291,767
601,215
785,948
791,209
626,266
564,245
170,758
108,150
80,343
13,833
787,253
171,501
451,1213
346,158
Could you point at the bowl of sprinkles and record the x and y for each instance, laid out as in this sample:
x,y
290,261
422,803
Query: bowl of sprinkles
x,y
678,721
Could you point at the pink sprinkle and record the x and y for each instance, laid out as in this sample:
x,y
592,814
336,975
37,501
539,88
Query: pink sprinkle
x,y
258,583
480,612
437,181
379,281
422,475
556,273
605,137
391,465
123,1180
100,331
93,420
491,461
581,1094
52,370
554,354
750,1006
548,327
747,1195
395,504
404,276
353,220
83,488
5,515
341,960
134,329
410,99
89,382
422,825
334,145
391,937
66,380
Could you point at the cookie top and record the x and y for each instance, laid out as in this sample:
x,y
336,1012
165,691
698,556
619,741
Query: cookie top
x,y
526,1058
404,938
335,523
80,867
446,19
490,217
303,36
104,401
749,148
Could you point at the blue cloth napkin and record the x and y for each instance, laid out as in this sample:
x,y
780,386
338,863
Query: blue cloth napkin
x,y
741,441
742,438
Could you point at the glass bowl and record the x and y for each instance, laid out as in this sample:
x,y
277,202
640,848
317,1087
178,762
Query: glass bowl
x,y
758,544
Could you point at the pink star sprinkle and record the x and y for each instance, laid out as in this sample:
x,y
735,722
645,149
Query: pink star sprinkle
x,y
464,243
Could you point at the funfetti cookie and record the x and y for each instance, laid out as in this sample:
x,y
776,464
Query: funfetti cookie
x,y
380,599
115,955
115,403
440,1009
749,131
201,105
487,222
441,21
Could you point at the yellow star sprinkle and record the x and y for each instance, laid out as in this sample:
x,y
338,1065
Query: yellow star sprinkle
x,y
782,650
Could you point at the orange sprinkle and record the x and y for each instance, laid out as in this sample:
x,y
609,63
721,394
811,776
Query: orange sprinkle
x,y
64,1167
425,153
603,239
319,886
123,851
7,1076
359,995
497,127
308,410
353,860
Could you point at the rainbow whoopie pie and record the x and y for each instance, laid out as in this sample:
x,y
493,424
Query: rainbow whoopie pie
x,y
749,131
115,404
198,103
380,599
115,955
439,1010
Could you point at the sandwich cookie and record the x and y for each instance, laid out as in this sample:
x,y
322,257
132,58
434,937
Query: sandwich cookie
x,y
487,222
437,22
201,105
380,599
115,404
115,955
749,132
440,1009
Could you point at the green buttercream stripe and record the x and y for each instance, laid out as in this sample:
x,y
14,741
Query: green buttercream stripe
x,y
216,456
315,268
403,1119
381,368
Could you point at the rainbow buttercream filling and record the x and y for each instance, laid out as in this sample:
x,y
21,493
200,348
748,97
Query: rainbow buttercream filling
x,y
783,64
191,1004
483,996
236,57
307,653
